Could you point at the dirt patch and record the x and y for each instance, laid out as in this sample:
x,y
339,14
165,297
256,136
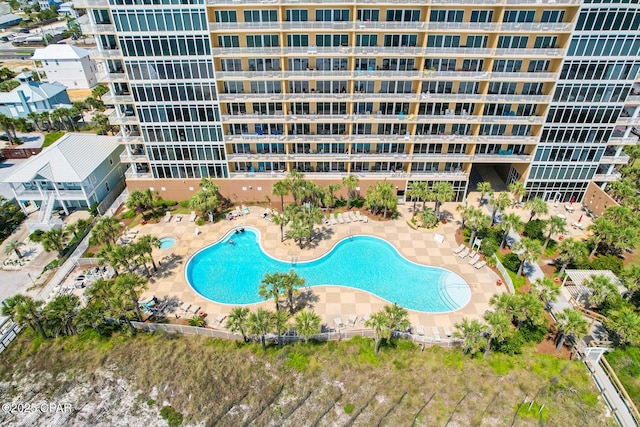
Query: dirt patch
x,y
548,346
78,94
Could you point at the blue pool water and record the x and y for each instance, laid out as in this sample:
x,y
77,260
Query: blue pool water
x,y
231,273
167,242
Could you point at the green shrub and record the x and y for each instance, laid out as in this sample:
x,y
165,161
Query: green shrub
x,y
36,236
89,254
535,229
533,333
607,262
128,214
184,204
489,247
151,402
171,416
200,222
429,218
510,346
511,262
164,203
348,408
93,209
53,264
357,203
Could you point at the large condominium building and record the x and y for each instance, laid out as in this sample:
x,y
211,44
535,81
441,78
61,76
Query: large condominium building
x,y
540,91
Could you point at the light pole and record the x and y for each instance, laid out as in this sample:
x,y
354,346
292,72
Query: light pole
x,y
32,281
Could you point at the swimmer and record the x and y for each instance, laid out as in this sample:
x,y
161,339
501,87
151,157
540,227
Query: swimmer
x,y
242,230
231,242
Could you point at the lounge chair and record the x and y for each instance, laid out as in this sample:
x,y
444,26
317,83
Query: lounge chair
x,y
333,220
338,322
436,333
194,309
366,318
193,216
480,264
326,221
447,332
365,218
167,217
220,318
464,253
178,218
340,219
346,217
475,259
245,210
420,330
353,217
352,319
459,249
358,216
238,211
185,306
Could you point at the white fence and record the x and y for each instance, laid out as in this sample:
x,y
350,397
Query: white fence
x,y
342,334
9,330
505,275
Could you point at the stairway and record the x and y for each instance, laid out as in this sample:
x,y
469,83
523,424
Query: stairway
x,y
46,209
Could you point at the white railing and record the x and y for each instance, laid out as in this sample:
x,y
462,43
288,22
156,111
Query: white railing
x,y
9,331
505,275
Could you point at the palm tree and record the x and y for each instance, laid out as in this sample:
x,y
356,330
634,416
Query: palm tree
x,y
35,119
55,240
499,328
59,315
307,324
498,202
510,221
280,324
197,321
297,184
237,321
205,202
484,188
272,286
379,322
140,201
476,221
518,191
554,225
528,308
417,191
528,250
625,323
397,316
537,207
602,231
25,311
602,289
329,198
13,246
131,285
283,219
350,182
260,323
441,192
464,213
472,335
388,200
9,127
630,276
290,285
99,90
570,250
546,290
146,243
571,324
106,230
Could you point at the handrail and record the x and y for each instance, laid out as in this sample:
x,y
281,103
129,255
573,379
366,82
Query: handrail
x,y
633,410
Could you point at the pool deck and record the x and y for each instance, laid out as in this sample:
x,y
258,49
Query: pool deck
x,y
330,302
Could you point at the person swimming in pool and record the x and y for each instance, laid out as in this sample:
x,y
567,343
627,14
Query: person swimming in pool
x,y
231,242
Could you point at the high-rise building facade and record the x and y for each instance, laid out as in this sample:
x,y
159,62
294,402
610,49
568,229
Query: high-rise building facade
x,y
243,91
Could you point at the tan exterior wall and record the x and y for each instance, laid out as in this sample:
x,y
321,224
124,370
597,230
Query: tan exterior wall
x,y
597,200
238,190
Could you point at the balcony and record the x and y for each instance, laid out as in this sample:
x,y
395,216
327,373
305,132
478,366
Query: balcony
x,y
537,77
530,53
613,160
633,100
133,158
628,121
88,28
109,98
502,158
519,99
37,195
114,119
630,140
602,177
90,4
367,175
534,120
131,173
112,77
105,54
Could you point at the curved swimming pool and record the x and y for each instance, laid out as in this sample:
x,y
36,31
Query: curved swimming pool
x,y
230,273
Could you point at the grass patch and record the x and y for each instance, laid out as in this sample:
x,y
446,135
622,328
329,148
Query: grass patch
x,y
348,408
297,361
52,137
533,410
518,282
626,363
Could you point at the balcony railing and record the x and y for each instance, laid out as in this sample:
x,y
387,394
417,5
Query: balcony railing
x,y
385,2
117,99
37,195
88,28
374,138
379,175
105,53
633,99
90,4
622,159
627,121
630,140
122,120
133,158
131,173
111,77
607,177
367,118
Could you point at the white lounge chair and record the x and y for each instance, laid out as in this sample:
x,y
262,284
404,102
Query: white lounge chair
x,y
480,264
353,217
464,253
193,216
194,309
447,332
338,322
436,333
220,318
365,218
185,306
346,217
167,217
420,330
238,211
178,218
459,249
332,219
352,319
340,219
475,259
366,318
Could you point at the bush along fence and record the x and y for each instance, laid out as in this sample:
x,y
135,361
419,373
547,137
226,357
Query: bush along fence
x,y
291,338
505,276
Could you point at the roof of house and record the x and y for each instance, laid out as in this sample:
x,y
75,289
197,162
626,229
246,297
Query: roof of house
x,y
33,91
60,51
9,17
70,159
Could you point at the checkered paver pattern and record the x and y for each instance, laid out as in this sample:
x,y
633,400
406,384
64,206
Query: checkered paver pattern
x,y
331,302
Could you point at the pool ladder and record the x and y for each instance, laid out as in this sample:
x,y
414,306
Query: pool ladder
x,y
294,260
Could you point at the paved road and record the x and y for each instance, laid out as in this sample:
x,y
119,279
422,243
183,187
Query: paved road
x,y
30,140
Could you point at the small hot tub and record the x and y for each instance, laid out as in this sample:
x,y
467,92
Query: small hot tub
x,y
167,242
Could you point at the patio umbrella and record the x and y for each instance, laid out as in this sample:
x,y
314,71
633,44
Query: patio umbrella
x,y
580,219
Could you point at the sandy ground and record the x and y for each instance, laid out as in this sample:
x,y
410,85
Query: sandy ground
x,y
78,94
